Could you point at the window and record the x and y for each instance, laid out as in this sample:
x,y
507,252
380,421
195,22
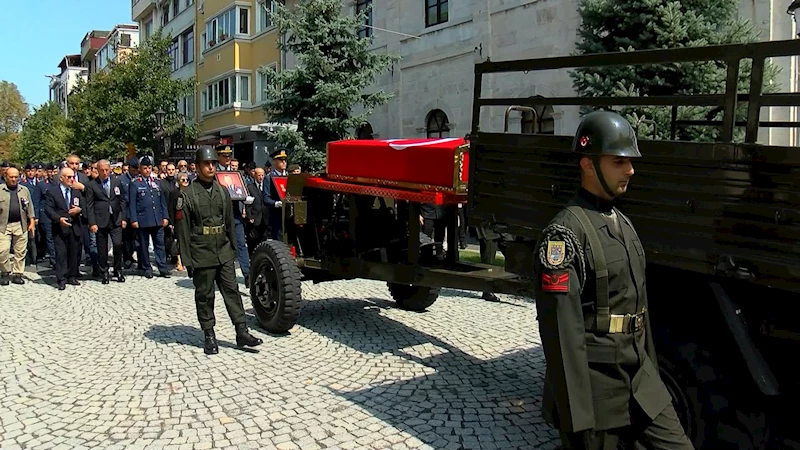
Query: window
x,y
187,38
263,81
435,12
189,3
205,44
244,21
437,124
148,29
264,18
226,92
173,54
176,8
222,27
165,15
365,131
365,6
188,107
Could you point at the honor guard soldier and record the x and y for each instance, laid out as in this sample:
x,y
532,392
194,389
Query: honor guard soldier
x,y
602,387
149,213
271,196
206,237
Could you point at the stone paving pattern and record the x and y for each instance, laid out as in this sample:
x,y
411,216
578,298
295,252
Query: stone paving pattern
x,y
122,366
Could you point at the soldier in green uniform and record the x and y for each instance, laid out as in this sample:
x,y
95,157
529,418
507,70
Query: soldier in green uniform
x,y
207,239
602,386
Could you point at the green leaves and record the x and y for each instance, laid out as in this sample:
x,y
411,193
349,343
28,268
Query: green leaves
x,y
609,26
44,137
334,68
118,106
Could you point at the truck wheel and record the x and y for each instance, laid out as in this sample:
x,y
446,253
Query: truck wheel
x,y
413,298
275,286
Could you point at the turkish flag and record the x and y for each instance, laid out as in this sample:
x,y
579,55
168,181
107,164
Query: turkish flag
x,y
280,185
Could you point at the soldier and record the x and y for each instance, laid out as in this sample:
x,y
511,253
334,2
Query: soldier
x,y
205,226
271,196
602,386
149,214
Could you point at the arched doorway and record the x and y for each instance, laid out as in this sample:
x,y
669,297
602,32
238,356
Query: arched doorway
x,y
364,131
543,123
437,125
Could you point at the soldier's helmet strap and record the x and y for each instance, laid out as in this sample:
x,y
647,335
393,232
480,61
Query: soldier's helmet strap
x,y
600,269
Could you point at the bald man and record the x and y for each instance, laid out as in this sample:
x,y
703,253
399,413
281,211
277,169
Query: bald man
x,y
63,204
17,219
257,219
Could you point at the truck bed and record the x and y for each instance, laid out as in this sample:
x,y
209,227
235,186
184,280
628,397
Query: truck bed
x,y
725,208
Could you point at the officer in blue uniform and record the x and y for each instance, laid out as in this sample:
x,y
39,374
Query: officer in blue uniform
x,y
47,247
130,238
149,215
31,182
271,196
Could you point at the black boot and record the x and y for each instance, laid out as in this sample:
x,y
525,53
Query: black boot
x,y
211,347
244,338
489,297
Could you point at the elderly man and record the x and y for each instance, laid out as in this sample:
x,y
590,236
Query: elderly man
x,y
16,221
63,203
107,208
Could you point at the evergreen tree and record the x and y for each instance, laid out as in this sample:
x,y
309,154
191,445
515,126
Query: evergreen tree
x,y
334,68
612,26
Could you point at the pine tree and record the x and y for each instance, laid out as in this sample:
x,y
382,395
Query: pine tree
x,y
334,68
612,26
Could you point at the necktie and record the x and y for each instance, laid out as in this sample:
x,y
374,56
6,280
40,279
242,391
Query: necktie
x,y
107,187
66,197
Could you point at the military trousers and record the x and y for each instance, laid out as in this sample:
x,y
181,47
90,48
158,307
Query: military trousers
x,y
225,278
662,433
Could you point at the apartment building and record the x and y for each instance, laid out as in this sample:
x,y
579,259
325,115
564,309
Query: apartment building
x,y
441,40
176,19
236,38
62,84
122,40
90,44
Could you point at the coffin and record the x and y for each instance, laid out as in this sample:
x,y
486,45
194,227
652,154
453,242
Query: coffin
x,y
422,164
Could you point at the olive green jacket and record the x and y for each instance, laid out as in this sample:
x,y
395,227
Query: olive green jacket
x,y
591,375
196,208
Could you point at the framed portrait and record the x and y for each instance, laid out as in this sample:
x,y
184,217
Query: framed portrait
x,y
232,181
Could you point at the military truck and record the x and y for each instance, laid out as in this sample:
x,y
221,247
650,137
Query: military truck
x,y
720,223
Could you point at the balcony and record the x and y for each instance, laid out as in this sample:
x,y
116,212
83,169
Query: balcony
x,y
141,8
91,43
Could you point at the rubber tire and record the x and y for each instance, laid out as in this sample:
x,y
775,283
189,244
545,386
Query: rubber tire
x,y
413,298
276,254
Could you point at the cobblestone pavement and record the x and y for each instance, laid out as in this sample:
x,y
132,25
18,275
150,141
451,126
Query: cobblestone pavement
x,y
122,366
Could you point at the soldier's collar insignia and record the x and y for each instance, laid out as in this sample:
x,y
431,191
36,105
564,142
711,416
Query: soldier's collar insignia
x,y
556,252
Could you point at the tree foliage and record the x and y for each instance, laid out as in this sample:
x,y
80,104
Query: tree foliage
x,y
334,69
118,105
44,137
612,26
13,112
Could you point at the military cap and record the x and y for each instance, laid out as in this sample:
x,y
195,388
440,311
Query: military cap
x,y
224,150
146,161
279,154
605,133
205,154
28,166
133,163
49,166
5,164
38,165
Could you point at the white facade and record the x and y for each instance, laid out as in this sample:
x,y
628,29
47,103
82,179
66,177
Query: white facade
x,y
61,85
122,39
436,72
175,18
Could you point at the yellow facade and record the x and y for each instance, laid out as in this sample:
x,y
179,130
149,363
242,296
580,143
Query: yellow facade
x,y
227,71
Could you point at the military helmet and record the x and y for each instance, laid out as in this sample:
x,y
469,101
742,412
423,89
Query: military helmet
x,y
206,154
605,133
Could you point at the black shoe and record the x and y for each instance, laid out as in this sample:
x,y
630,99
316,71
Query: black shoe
x,y
128,264
148,275
73,282
105,279
4,280
164,274
244,338
61,285
489,297
119,276
96,273
210,346
17,279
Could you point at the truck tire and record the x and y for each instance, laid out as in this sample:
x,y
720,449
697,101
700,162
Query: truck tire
x,y
275,286
700,394
413,298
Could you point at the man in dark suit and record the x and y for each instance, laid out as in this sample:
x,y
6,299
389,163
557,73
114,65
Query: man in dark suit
x,y
88,241
106,206
32,183
63,205
257,219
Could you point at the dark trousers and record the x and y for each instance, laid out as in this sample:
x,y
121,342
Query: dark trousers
x,y
169,243
129,243
157,234
662,433
436,230
225,277
32,256
103,234
275,224
489,248
89,245
241,248
462,227
67,247
46,244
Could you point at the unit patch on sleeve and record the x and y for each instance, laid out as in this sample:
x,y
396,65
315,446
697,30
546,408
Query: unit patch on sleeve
x,y
556,252
557,281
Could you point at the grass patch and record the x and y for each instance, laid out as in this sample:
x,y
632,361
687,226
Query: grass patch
x,y
475,257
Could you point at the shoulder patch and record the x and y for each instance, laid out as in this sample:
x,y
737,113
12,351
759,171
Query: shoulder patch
x,y
556,252
557,247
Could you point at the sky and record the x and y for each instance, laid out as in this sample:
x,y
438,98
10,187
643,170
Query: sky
x,y
36,34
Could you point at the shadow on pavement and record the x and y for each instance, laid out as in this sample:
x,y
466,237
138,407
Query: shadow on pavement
x,y
466,403
186,335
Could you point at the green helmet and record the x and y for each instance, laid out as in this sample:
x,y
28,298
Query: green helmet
x,y
206,154
605,133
